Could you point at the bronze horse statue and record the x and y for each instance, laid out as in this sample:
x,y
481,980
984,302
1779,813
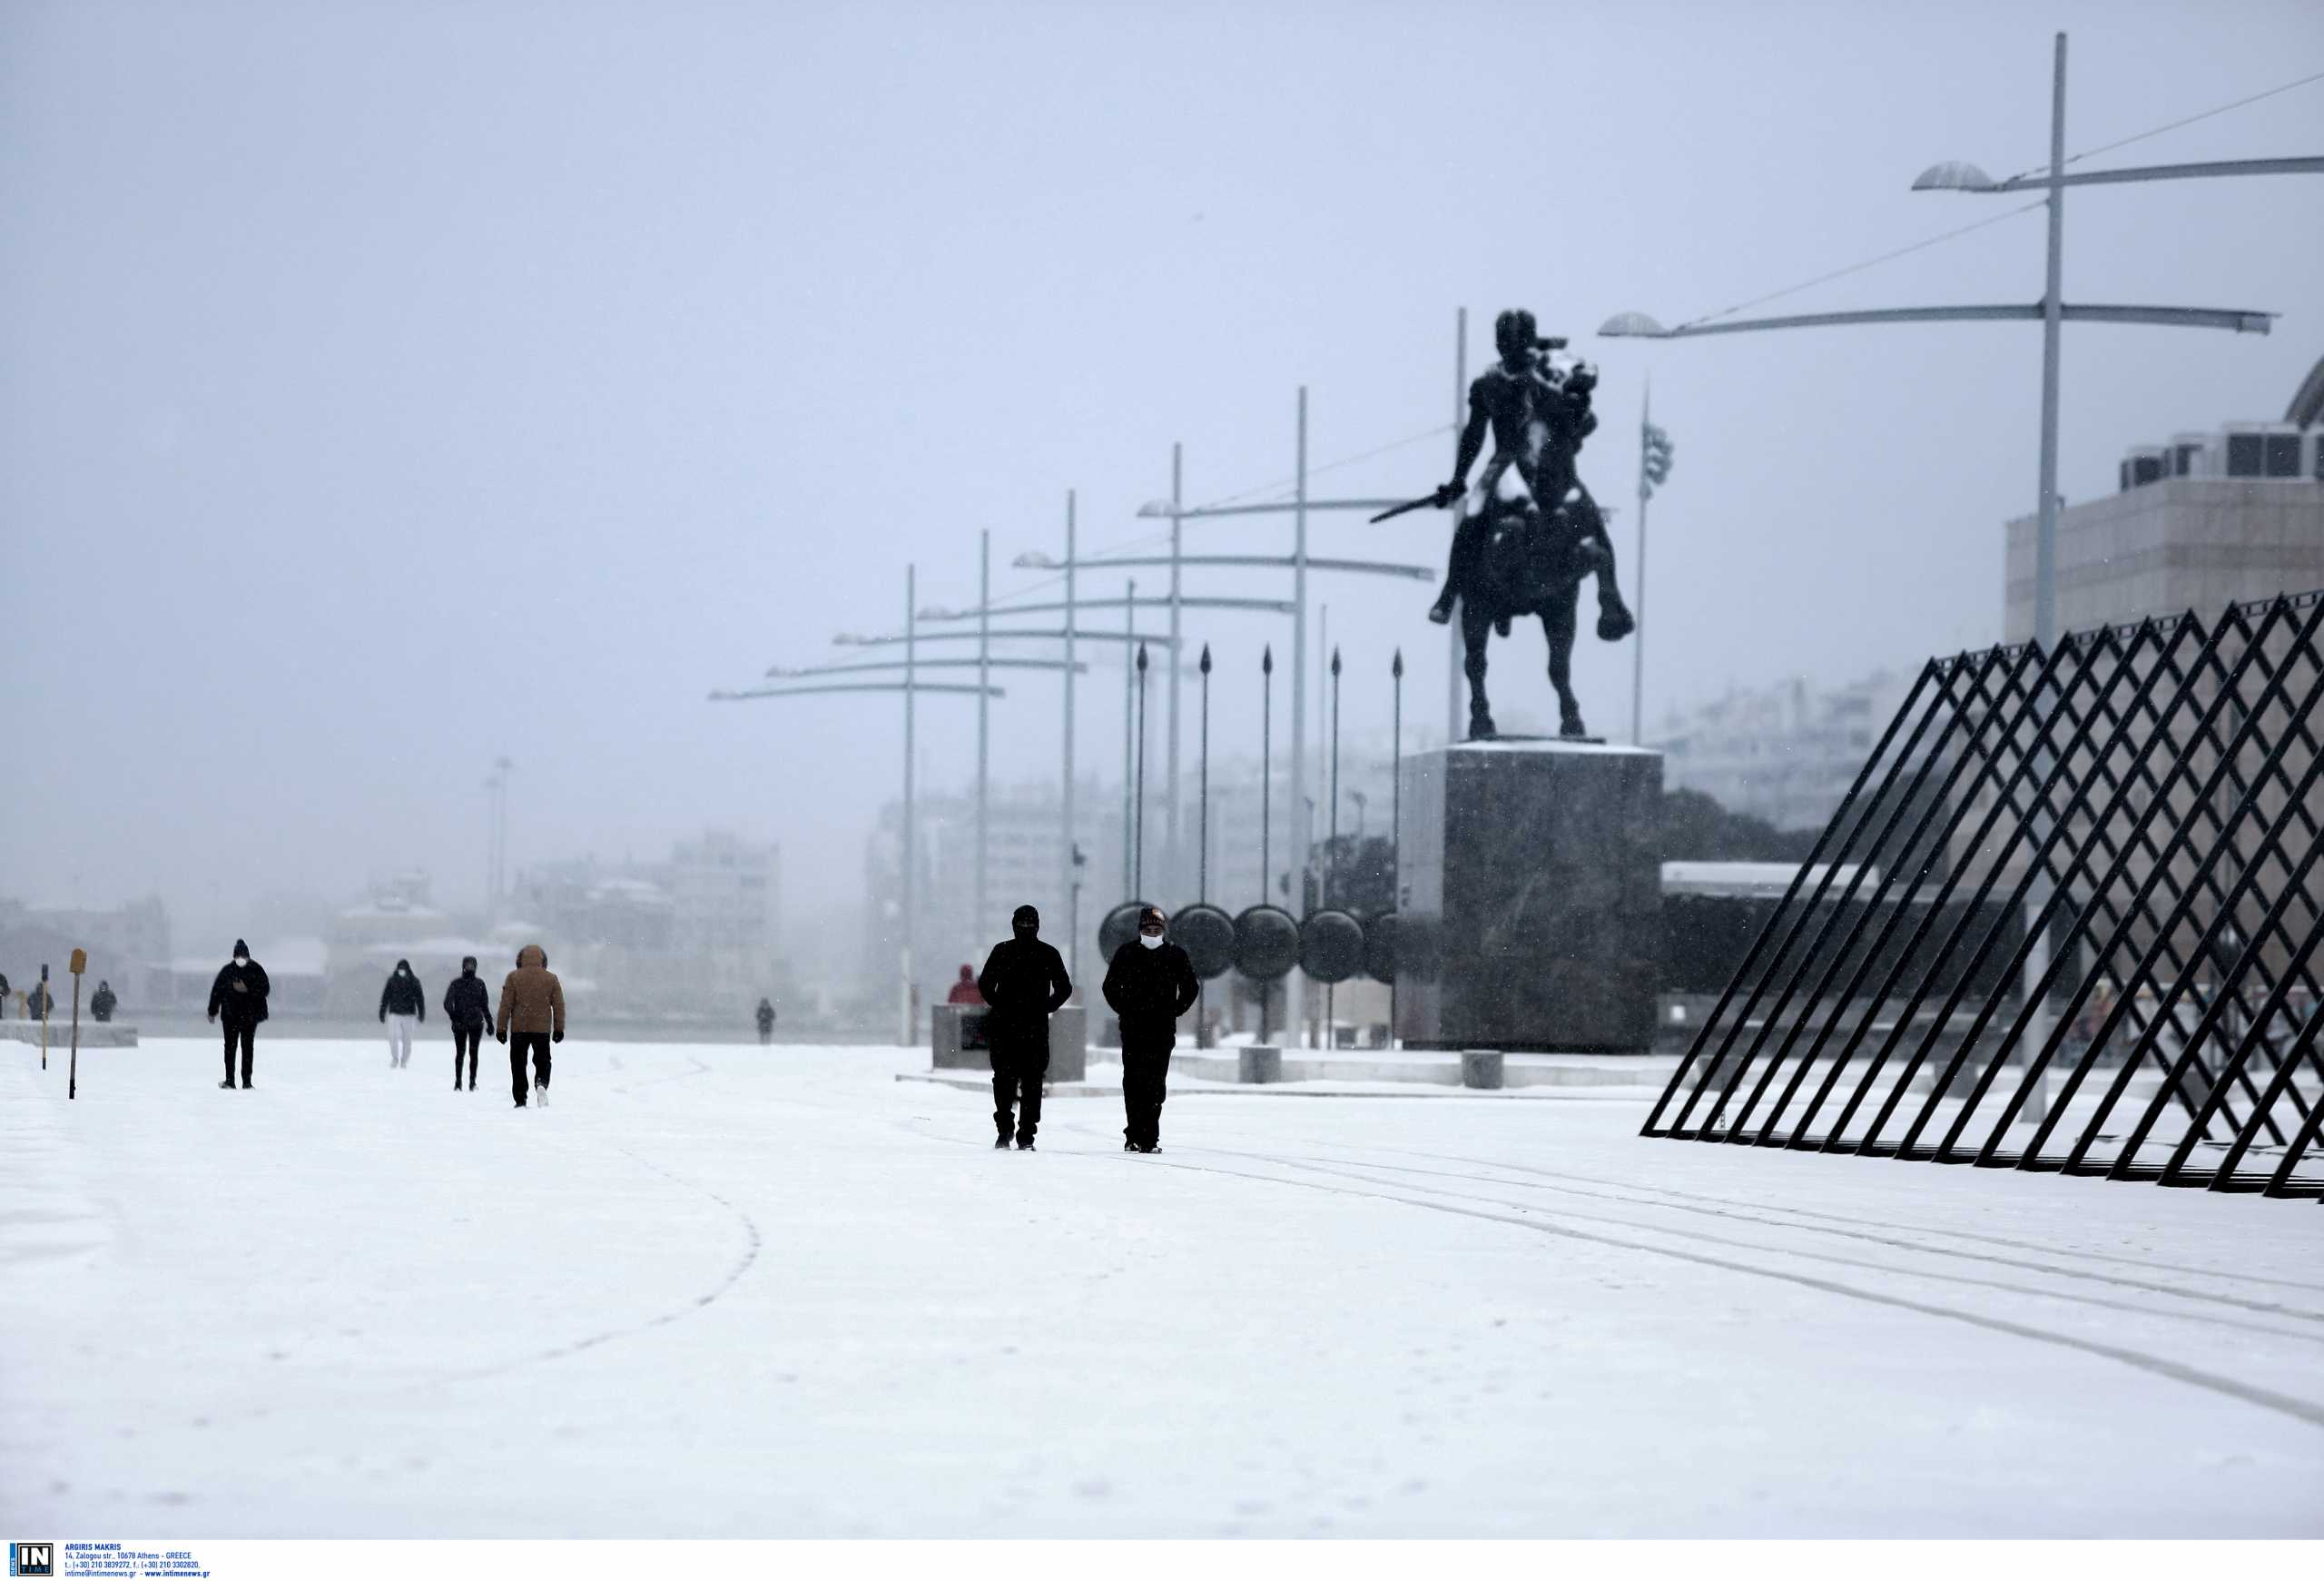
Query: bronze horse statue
x,y
1539,542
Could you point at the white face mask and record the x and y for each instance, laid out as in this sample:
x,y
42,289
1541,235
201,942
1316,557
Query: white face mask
x,y
1151,941
242,960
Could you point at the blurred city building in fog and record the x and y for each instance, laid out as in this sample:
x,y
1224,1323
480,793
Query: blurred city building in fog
x,y
1787,753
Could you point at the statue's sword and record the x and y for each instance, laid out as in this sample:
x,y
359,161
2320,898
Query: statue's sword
x,y
1435,496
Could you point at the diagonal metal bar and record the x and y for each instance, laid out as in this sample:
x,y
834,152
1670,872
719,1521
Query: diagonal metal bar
x,y
2062,873
2213,781
2185,980
2036,994
1941,1022
1920,765
2198,1128
2141,779
1959,809
2288,1066
1800,880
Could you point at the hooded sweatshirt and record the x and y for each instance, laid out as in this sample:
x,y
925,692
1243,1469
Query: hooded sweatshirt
x,y
403,995
532,999
239,994
467,1003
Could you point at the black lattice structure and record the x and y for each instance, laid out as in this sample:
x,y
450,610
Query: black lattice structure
x,y
2068,918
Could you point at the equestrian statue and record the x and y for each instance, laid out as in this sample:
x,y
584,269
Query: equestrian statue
x,y
1528,533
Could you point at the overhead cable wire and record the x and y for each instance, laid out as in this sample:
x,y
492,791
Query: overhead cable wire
x,y
2175,125
1867,264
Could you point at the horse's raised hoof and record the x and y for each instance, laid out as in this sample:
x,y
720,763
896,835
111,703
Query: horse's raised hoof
x,y
1501,626
1440,614
1614,623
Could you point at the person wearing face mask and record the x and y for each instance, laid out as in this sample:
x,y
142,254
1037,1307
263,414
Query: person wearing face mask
x,y
1150,984
402,1006
238,997
467,1005
1024,983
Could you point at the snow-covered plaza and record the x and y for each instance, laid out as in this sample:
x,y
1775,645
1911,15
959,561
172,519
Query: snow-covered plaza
x,y
771,1292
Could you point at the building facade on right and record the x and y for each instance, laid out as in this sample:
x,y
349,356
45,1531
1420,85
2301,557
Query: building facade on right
x,y
2207,521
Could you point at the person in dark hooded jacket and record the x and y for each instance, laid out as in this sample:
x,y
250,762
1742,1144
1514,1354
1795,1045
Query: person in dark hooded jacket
x,y
1150,984
238,996
403,1004
467,1005
102,1005
1023,981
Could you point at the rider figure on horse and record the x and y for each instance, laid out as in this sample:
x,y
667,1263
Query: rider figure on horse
x,y
1539,416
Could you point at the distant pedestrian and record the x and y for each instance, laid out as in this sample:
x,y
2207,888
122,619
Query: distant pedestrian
x,y
5,1004
965,991
238,997
467,1005
403,1005
1024,982
767,1020
532,1017
1150,984
42,1002
101,1004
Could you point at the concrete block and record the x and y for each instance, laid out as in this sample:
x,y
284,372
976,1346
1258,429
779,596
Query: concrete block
x,y
1259,1064
1531,899
1482,1069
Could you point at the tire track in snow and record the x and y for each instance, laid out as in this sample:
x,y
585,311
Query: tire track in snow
x,y
2306,1411
2077,1298
1916,1248
1867,1223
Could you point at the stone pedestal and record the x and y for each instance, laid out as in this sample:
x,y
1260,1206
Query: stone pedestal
x,y
1529,897
957,1043
1259,1064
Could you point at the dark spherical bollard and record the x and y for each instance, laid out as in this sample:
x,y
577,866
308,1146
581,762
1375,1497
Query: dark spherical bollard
x,y
1120,928
1267,942
1379,948
1331,946
1208,936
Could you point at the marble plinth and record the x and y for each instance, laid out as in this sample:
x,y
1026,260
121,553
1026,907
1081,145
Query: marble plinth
x,y
1529,897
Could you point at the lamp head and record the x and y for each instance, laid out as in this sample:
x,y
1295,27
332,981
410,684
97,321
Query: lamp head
x,y
1953,175
1636,325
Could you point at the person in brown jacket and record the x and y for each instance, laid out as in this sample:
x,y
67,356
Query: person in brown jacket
x,y
532,1006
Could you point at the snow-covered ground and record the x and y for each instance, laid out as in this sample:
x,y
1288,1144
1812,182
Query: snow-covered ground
x,y
771,1292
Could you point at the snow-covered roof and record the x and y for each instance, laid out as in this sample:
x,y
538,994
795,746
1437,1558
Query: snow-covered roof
x,y
383,910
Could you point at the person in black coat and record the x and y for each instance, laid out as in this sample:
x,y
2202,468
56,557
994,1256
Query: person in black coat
x,y
1150,983
238,994
467,1005
101,1006
766,1021
403,1005
1023,982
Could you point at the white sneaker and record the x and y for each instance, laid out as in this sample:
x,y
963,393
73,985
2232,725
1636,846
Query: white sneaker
x,y
541,1096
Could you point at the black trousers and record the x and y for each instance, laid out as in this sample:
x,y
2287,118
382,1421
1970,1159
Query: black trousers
x,y
1146,1081
519,1042
466,1040
245,1032
1017,1084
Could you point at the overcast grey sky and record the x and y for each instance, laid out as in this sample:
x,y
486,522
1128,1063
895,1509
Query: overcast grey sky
x,y
384,387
